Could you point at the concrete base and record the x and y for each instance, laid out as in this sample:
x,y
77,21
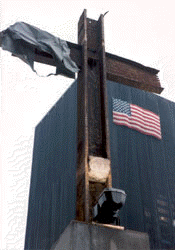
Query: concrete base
x,y
84,236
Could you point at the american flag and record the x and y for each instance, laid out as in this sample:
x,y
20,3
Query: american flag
x,y
137,118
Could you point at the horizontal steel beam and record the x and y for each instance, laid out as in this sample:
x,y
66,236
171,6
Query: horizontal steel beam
x,y
118,69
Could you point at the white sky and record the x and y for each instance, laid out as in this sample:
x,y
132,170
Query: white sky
x,y
143,31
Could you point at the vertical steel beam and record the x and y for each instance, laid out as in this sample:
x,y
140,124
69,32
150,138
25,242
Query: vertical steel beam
x,y
104,97
82,93
93,129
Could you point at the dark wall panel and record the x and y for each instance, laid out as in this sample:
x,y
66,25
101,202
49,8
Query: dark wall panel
x,y
52,200
145,168
141,165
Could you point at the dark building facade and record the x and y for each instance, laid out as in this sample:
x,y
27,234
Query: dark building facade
x,y
142,165
52,199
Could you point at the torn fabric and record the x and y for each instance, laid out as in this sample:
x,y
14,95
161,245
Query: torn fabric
x,y
22,39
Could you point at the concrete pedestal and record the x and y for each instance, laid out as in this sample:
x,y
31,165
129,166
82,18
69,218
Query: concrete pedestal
x,y
84,236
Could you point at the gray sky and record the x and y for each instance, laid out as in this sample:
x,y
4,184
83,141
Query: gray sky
x,y
143,31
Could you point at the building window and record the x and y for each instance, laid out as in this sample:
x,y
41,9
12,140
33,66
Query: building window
x,y
162,210
162,203
164,219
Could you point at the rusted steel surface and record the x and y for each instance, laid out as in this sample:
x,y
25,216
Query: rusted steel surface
x,y
132,74
93,130
92,110
82,156
118,69
132,63
104,99
92,34
132,83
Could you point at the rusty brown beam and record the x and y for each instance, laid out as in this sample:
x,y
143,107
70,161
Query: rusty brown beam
x,y
118,69
132,74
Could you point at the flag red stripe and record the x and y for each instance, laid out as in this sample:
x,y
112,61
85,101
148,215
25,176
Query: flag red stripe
x,y
141,126
144,114
137,121
138,129
150,113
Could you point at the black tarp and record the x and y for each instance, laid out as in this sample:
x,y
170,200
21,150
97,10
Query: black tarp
x,y
144,167
22,39
52,199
